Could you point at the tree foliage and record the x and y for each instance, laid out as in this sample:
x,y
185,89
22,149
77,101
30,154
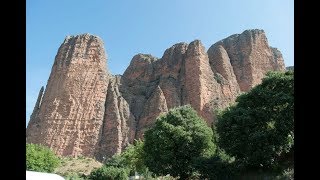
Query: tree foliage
x,y
214,168
218,166
121,165
109,173
131,158
258,129
177,139
40,158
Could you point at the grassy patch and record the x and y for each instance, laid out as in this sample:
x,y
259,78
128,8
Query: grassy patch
x,y
74,168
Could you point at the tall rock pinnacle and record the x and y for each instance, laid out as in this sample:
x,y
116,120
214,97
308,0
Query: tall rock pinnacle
x,y
86,111
250,56
72,108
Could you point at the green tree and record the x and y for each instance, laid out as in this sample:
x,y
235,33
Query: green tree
x,y
218,166
258,129
40,158
177,139
214,167
121,165
133,157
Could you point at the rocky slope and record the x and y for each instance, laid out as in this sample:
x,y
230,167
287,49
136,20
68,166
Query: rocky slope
x,y
85,110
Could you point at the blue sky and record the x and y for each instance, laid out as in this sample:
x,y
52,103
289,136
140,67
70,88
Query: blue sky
x,y
128,27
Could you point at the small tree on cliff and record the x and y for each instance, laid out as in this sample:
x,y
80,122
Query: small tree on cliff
x,y
258,130
177,139
40,158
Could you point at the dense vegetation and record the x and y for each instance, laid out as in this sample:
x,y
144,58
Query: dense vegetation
x,y
218,166
40,158
258,129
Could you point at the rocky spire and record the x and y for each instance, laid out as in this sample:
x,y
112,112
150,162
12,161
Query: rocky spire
x,y
87,111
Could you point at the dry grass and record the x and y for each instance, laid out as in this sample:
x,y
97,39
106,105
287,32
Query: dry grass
x,y
79,166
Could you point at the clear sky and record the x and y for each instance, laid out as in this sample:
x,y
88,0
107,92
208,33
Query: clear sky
x,y
128,27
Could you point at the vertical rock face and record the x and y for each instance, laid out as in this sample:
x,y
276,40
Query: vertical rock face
x,y
201,89
71,112
86,111
118,129
223,74
251,57
155,105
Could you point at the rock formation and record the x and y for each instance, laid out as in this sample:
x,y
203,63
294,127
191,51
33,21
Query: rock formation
x,y
86,111
70,115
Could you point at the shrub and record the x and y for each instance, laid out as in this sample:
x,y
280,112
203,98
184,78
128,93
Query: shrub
x,y
40,158
109,173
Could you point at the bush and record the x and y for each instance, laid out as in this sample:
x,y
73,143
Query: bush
x,y
133,157
40,158
117,161
121,165
109,173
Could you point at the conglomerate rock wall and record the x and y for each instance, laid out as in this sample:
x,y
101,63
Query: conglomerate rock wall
x,y
85,110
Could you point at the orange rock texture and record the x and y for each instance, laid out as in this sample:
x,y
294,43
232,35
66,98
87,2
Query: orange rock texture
x,y
84,110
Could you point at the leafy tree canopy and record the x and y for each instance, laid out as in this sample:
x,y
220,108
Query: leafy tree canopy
x,y
177,139
131,158
258,129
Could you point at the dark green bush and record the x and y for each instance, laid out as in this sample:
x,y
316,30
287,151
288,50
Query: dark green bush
x,y
109,173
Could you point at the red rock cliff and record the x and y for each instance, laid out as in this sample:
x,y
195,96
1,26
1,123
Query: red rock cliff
x,y
86,111
71,112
